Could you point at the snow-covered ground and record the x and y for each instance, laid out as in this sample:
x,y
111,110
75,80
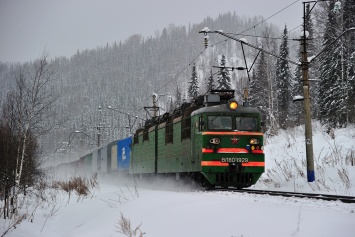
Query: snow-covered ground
x,y
334,161
164,208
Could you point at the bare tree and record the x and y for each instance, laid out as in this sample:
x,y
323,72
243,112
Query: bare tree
x,y
26,115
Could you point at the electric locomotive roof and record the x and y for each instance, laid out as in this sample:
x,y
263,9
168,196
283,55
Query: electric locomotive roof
x,y
223,108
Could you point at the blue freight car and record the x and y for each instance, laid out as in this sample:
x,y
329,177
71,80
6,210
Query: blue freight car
x,y
124,153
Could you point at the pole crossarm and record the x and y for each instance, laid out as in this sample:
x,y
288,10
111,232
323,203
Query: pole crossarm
x,y
250,45
119,111
232,68
76,132
272,54
129,118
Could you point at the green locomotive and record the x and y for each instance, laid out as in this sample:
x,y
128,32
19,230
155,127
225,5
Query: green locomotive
x,y
214,141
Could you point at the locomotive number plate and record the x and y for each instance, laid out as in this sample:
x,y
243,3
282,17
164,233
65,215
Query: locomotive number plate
x,y
234,160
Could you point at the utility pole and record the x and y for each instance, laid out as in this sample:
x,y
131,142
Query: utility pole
x,y
307,101
99,127
155,108
98,135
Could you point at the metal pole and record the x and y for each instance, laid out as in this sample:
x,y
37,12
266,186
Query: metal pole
x,y
98,136
129,124
155,110
307,102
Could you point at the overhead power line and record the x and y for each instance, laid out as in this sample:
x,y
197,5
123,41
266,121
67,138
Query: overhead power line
x,y
193,60
270,16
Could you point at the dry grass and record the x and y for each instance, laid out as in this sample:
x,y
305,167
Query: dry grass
x,y
81,185
125,227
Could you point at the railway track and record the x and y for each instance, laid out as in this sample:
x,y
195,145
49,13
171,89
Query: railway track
x,y
326,197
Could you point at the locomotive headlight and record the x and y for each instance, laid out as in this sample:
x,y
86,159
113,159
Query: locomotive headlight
x,y
215,141
232,105
254,141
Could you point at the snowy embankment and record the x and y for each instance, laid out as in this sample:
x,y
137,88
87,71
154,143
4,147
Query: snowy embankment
x,y
164,208
180,212
334,161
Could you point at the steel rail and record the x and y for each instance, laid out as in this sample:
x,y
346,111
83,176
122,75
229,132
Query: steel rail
x,y
318,196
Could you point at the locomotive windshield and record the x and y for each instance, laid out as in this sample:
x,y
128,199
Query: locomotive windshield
x,y
224,122
220,122
246,123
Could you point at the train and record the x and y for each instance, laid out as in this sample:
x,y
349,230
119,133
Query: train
x,y
213,141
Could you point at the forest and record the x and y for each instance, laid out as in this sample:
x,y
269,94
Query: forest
x,y
56,109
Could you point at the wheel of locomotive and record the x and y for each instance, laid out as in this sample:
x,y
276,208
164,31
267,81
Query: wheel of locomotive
x,y
193,180
204,182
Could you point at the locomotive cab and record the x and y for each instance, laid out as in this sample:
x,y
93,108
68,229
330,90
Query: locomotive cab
x,y
230,142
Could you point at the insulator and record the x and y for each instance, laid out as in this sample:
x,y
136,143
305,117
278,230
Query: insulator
x,y
206,41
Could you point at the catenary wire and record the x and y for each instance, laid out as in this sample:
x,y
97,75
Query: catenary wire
x,y
178,74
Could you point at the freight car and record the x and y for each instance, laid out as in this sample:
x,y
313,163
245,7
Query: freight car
x,y
114,157
214,141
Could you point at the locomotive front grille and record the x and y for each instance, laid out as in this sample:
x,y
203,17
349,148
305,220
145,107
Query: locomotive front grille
x,y
241,179
224,178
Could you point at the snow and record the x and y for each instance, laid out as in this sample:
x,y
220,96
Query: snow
x,y
309,59
298,97
206,30
167,208
244,40
304,33
181,212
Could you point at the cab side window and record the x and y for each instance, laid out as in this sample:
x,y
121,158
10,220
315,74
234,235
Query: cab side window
x,y
201,124
186,128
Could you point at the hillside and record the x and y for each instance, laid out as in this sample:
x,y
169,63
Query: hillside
x,y
124,75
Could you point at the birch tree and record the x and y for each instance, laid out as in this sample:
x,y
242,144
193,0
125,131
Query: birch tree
x,y
28,115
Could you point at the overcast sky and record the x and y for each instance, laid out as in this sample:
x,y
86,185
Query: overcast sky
x,y
28,27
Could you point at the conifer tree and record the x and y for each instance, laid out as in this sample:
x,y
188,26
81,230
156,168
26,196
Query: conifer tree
x,y
193,83
283,79
258,95
210,82
351,88
223,79
349,57
332,97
